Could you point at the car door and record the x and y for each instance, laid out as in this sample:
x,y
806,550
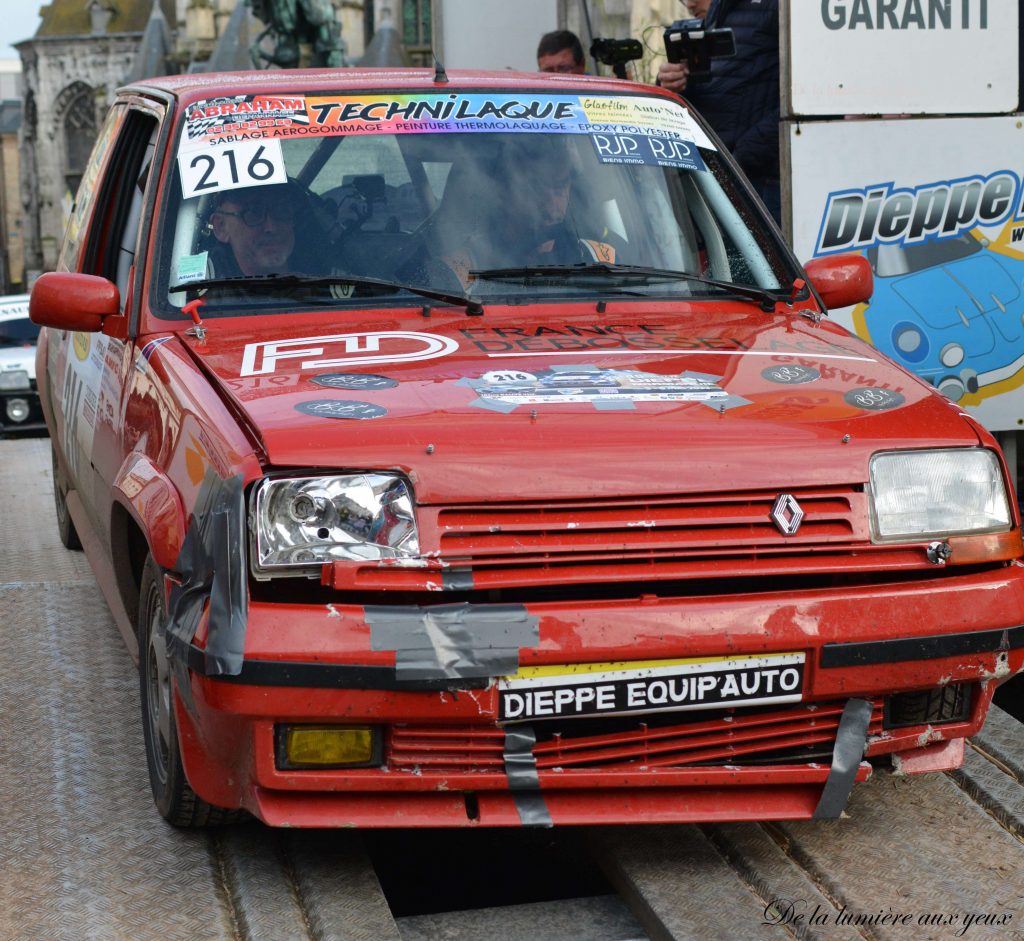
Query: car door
x,y
88,370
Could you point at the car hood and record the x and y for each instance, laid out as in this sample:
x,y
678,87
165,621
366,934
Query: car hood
x,y
514,405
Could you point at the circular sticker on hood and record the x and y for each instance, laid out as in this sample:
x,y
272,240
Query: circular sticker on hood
x,y
354,380
341,408
874,400
790,374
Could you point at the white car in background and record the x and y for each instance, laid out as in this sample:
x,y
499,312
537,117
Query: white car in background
x,y
19,400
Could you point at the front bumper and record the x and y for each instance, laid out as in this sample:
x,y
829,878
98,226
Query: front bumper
x,y
448,761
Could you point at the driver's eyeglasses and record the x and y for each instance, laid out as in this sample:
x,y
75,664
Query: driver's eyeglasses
x,y
253,216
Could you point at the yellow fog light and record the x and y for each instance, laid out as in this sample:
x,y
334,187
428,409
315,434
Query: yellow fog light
x,y
326,746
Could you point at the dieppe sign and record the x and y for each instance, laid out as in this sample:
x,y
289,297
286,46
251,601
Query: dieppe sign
x,y
900,57
882,214
936,205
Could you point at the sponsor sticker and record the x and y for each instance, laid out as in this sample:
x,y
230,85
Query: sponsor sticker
x,y
791,374
354,380
648,151
874,400
561,692
191,268
241,113
505,390
252,119
341,408
153,345
345,349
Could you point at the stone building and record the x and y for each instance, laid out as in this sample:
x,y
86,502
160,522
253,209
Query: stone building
x,y
81,53
12,248
72,66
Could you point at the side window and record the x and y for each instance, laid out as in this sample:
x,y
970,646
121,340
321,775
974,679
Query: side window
x,y
133,220
87,190
114,230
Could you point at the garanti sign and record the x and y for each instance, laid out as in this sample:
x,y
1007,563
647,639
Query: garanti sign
x,y
900,56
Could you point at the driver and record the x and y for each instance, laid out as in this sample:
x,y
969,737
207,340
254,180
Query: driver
x,y
537,227
534,224
256,226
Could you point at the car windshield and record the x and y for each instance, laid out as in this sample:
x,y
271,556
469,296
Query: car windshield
x,y
385,200
18,331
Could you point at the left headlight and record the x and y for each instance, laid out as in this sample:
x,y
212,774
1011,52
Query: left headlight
x,y
299,523
918,494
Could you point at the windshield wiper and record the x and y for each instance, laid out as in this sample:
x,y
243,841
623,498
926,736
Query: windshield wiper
x,y
262,282
767,299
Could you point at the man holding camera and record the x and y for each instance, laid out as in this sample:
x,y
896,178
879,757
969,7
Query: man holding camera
x,y
561,51
740,99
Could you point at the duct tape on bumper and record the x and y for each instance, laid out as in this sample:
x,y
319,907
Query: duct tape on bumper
x,y
851,742
452,641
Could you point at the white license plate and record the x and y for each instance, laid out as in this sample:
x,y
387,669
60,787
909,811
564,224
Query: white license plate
x,y
609,689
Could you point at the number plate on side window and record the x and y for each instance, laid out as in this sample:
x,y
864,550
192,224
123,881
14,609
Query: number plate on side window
x,y
657,686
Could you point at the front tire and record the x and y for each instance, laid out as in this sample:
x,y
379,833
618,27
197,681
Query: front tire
x,y
174,798
65,527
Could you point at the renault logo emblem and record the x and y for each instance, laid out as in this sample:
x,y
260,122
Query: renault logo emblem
x,y
787,514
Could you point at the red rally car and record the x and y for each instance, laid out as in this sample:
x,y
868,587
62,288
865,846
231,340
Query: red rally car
x,y
471,450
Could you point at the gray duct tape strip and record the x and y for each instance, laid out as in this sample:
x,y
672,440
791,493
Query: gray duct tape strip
x,y
452,641
523,781
212,566
851,742
457,579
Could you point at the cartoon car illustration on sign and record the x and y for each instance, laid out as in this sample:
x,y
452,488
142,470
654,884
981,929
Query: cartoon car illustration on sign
x,y
449,453
19,401
949,310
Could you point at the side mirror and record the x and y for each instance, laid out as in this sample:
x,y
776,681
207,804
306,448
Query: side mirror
x,y
841,280
71,301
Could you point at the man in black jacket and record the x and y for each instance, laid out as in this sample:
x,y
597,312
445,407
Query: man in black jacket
x,y
741,98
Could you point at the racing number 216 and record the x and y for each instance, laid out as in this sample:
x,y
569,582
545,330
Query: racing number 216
x,y
248,163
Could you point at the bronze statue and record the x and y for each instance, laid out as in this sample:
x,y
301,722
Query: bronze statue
x,y
291,22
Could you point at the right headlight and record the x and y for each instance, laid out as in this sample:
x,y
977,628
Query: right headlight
x,y
299,523
921,494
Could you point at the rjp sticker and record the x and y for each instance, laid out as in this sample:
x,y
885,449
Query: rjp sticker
x,y
646,150
242,164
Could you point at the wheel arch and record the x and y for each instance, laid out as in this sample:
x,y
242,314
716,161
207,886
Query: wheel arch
x,y
147,517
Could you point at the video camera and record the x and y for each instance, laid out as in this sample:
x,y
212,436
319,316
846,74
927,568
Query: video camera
x,y
615,53
688,41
